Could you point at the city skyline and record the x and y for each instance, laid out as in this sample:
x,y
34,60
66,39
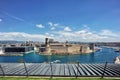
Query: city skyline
x,y
71,20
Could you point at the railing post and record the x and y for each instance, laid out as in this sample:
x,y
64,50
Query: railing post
x,y
77,69
51,70
104,70
2,70
25,68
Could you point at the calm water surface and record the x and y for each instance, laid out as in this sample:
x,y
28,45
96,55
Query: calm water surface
x,y
106,54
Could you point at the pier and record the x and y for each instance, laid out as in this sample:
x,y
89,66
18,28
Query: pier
x,y
60,70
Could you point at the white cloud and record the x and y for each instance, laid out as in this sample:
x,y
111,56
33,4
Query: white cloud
x,y
0,20
52,28
67,29
50,23
21,36
40,26
85,26
53,25
49,35
52,35
85,36
81,32
79,35
46,33
108,33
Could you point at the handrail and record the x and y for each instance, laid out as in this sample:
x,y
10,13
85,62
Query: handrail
x,y
104,70
77,68
51,69
2,70
25,68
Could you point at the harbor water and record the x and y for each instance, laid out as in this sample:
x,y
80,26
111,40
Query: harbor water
x,y
105,54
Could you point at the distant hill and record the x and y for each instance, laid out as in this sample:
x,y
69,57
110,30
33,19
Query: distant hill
x,y
10,42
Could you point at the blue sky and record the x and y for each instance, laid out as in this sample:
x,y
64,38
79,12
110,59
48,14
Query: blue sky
x,y
72,20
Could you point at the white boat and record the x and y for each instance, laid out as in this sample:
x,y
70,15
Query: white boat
x,y
1,51
97,49
117,60
56,61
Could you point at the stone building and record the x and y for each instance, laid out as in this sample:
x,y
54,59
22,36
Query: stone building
x,y
66,48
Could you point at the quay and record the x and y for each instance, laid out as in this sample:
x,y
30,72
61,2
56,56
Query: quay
x,y
60,70
13,54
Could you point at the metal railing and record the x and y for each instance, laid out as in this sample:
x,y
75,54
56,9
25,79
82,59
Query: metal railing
x,y
51,70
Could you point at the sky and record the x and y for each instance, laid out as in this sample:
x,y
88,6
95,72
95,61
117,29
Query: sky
x,y
62,20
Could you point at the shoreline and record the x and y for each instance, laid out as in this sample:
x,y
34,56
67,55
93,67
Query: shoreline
x,y
63,53
11,54
15,53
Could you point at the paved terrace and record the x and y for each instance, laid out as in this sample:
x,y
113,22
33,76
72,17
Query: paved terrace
x,y
59,70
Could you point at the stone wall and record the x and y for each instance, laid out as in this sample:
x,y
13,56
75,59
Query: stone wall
x,y
68,49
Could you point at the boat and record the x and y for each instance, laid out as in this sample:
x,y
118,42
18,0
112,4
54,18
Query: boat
x,y
1,51
117,60
117,50
56,61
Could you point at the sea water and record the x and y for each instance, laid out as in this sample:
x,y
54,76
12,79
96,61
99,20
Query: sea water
x,y
102,56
